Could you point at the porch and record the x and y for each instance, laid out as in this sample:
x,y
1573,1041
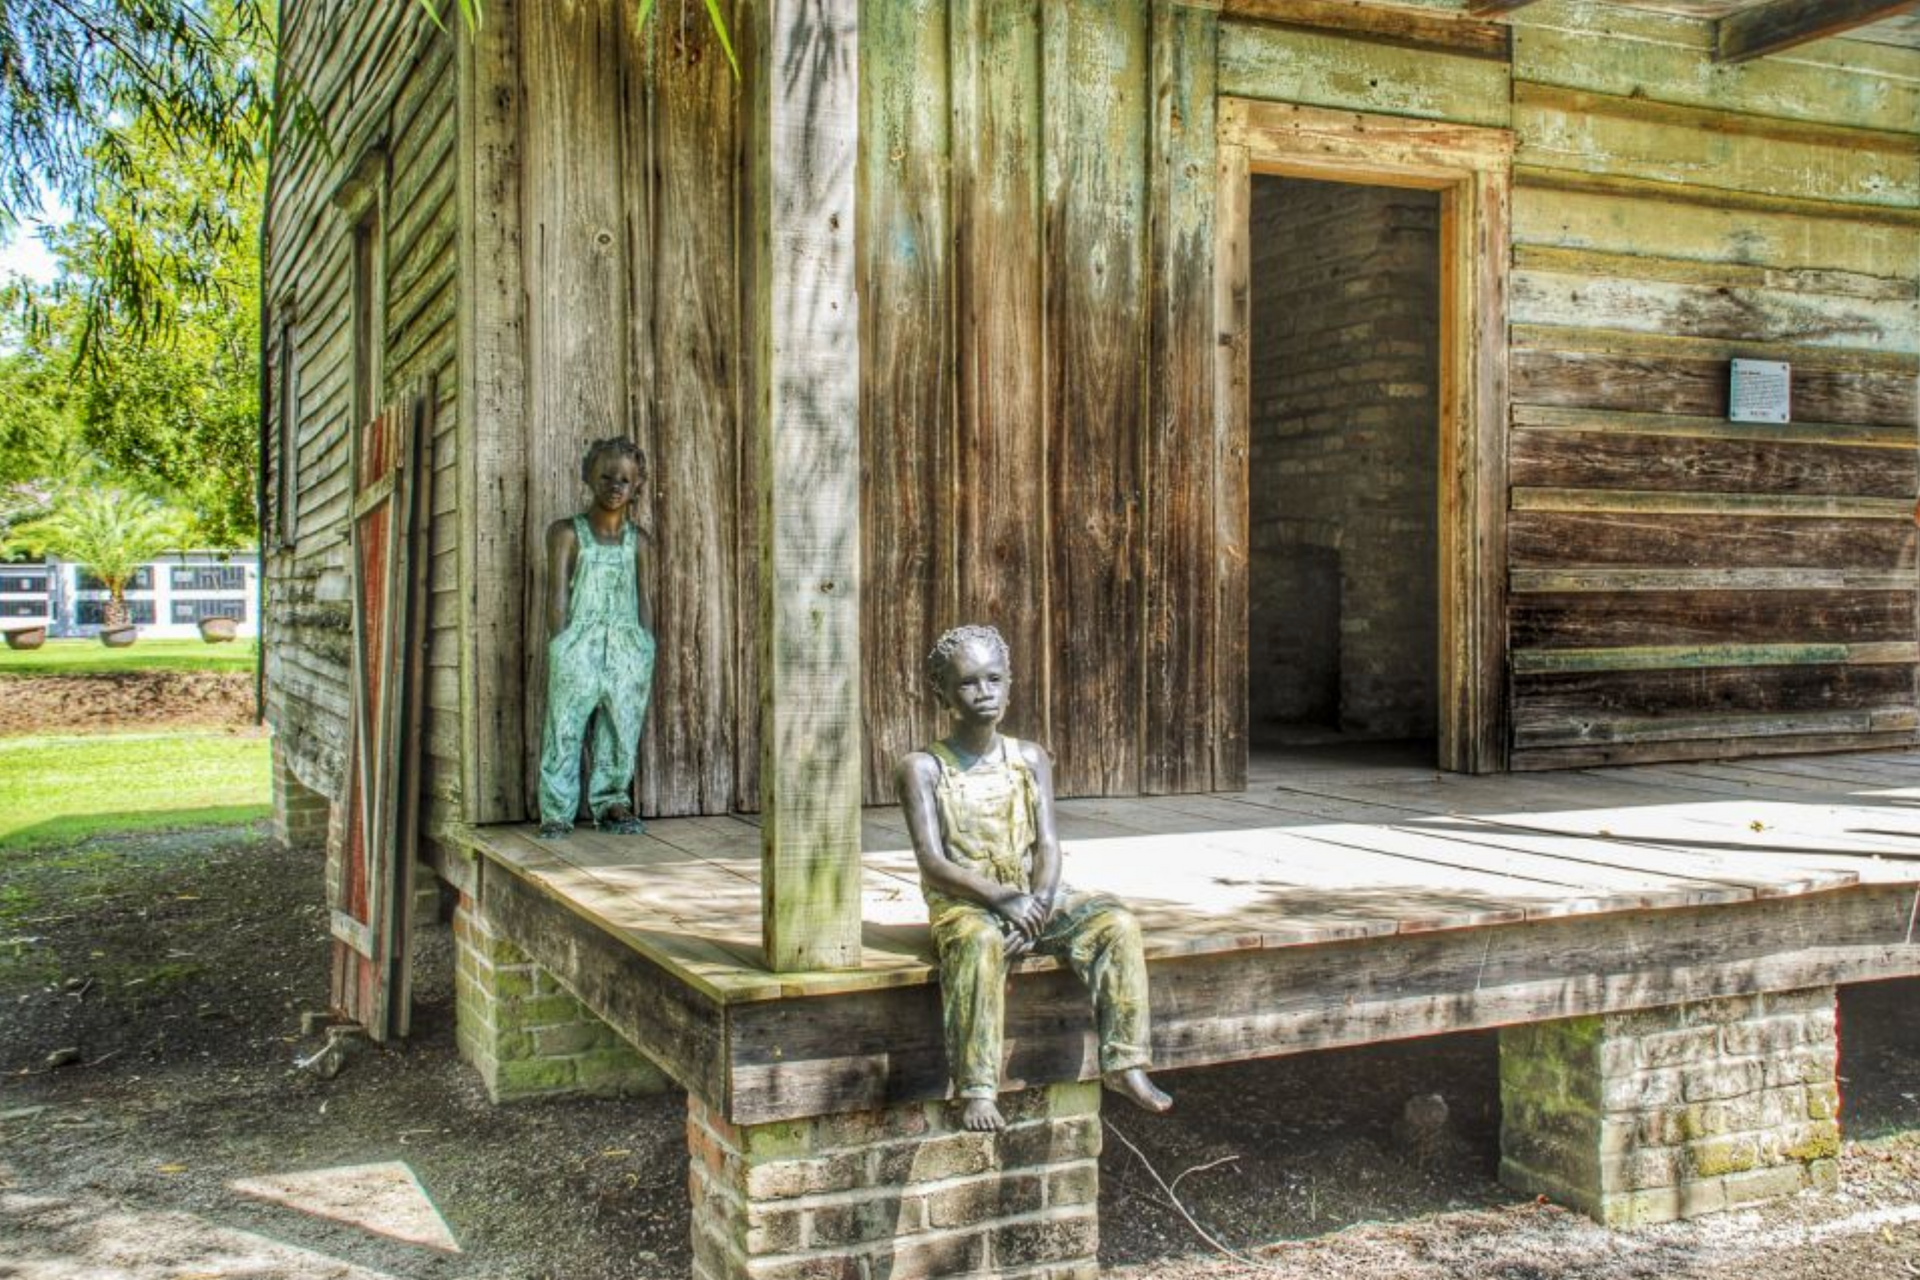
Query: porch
x,y
1340,899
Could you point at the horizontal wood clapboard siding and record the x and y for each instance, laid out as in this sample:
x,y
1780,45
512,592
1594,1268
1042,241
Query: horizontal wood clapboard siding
x,y
1684,586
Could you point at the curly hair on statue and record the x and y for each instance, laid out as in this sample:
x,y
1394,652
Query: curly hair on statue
x,y
619,446
940,657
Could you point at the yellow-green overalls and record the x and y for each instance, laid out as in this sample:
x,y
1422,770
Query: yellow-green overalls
x,y
987,826
601,660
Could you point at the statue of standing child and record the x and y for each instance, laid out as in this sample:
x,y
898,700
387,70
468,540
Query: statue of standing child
x,y
599,647
979,806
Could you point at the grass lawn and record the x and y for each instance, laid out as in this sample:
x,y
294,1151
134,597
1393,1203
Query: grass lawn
x,y
83,657
58,790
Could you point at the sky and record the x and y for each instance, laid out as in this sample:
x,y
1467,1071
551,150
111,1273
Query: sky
x,y
23,253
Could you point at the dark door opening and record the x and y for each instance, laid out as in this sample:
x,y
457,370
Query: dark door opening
x,y
1344,489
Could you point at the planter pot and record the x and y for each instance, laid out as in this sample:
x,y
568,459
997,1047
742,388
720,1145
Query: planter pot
x,y
218,630
119,637
27,638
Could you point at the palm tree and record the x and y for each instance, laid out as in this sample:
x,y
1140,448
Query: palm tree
x,y
108,532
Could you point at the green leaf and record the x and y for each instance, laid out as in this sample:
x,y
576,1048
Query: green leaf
x,y
720,29
646,11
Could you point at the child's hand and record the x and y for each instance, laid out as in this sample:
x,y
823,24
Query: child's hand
x,y
1028,914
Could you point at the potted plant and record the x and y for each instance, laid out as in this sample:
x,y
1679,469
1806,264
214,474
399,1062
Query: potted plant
x,y
27,637
110,533
218,630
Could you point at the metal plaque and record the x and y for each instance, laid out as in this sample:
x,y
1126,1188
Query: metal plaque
x,y
1761,391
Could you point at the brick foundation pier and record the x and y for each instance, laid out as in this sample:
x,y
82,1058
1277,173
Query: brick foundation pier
x,y
900,1192
300,814
525,1034
1674,1112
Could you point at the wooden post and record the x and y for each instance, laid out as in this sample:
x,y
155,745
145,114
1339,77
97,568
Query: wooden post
x,y
804,416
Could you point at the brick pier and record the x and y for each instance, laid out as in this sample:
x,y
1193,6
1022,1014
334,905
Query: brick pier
x,y
1674,1112
525,1034
900,1192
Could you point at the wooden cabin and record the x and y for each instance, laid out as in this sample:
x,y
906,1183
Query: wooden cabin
x,y
1270,371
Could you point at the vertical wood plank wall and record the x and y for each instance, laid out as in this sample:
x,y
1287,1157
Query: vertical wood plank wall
x,y
1037,285
375,74
1684,586
629,144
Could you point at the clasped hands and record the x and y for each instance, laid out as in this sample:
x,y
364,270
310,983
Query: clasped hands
x,y
1028,914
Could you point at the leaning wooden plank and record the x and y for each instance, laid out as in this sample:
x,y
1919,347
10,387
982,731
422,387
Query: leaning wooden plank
x,y
997,483
796,1058
1182,634
907,382
652,1005
1094,123
801,161
1783,24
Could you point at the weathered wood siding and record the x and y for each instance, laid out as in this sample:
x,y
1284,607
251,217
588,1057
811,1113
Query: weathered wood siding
x,y
1685,586
377,76
1037,426
629,169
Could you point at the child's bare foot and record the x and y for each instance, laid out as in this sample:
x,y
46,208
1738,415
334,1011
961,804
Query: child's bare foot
x,y
982,1115
1133,1085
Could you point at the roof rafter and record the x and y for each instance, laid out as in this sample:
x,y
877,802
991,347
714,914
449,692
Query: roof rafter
x,y
1782,24
1488,8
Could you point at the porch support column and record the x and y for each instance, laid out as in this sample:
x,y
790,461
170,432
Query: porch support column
x,y
803,399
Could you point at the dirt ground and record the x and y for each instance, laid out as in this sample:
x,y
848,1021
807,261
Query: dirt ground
x,y
173,970
150,701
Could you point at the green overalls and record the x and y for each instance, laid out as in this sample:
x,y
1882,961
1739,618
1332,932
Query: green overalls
x,y
602,660
987,825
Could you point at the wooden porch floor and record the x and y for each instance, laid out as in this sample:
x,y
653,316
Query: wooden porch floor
x,y
1323,847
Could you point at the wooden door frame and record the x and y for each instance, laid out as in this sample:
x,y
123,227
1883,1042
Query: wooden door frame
x,y
1472,170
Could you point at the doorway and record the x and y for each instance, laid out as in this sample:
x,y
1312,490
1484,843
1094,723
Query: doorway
x,y
1354,636
1343,465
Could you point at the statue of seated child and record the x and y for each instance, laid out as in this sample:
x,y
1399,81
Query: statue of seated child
x,y
979,806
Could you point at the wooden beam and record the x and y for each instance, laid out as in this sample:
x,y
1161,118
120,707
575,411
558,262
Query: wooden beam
x,y
824,1054
1386,24
804,420
1769,28
1488,8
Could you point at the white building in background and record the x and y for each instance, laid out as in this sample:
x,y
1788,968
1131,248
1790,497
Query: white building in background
x,y
167,598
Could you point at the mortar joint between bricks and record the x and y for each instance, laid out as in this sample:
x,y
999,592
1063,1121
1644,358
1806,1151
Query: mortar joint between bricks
x,y
868,1249
867,1194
